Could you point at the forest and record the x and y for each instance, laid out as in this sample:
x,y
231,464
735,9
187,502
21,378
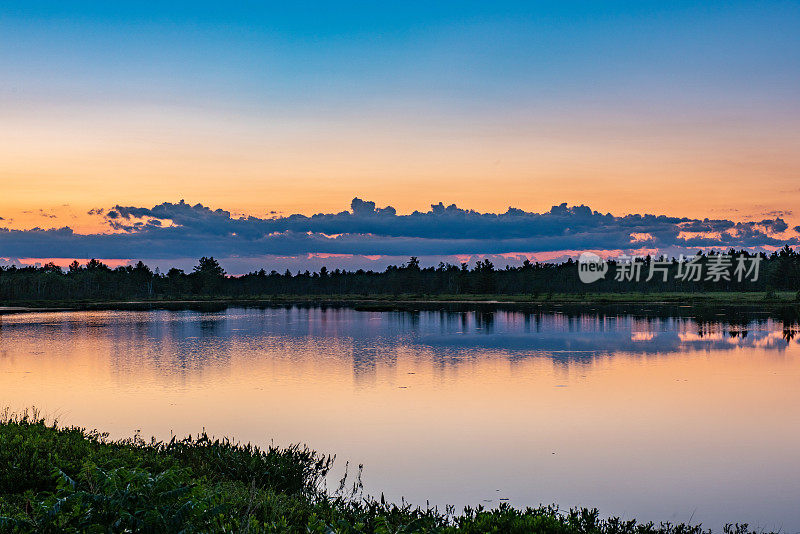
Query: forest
x,y
95,281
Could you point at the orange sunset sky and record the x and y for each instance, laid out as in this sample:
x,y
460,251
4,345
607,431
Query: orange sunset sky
x,y
626,108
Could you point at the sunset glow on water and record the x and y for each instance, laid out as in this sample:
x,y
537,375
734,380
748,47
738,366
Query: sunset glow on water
x,y
655,419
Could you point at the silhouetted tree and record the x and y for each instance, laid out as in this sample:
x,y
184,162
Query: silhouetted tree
x,y
208,276
779,271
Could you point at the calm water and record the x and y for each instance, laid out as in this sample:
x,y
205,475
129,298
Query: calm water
x,y
660,419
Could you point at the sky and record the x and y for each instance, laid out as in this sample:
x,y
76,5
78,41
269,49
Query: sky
x,y
687,110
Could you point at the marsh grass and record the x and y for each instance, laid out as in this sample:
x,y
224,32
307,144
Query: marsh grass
x,y
393,301
66,479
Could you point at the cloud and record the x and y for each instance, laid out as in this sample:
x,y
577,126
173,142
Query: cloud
x,y
180,230
778,213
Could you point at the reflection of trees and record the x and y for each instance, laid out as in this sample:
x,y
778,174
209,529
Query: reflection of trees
x,y
568,335
485,321
184,343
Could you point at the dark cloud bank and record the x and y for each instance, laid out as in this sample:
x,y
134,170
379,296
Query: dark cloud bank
x,y
189,231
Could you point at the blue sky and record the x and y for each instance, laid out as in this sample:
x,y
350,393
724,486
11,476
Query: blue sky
x,y
686,109
323,53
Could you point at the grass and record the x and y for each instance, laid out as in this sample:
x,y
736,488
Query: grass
x,y
65,479
387,301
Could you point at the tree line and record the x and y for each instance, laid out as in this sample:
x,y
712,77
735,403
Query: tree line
x,y
94,280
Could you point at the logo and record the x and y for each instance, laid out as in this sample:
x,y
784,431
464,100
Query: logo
x,y
591,267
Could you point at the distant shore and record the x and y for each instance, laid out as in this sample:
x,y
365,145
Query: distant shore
x,y
406,301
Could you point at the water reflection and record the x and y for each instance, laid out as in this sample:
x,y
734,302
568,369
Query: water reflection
x,y
186,341
648,413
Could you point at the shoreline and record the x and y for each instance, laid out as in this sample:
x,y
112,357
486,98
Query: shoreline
x,y
404,302
76,480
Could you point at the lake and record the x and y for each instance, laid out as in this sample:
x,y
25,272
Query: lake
x,y
643,415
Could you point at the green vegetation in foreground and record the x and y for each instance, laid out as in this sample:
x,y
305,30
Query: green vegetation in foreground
x,y
58,479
